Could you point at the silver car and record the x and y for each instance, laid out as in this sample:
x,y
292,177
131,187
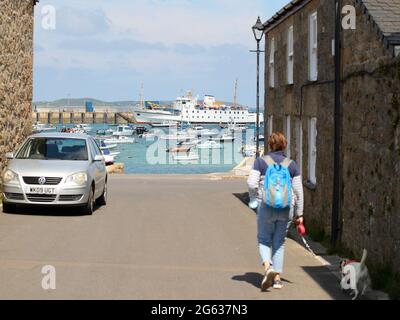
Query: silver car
x,y
58,169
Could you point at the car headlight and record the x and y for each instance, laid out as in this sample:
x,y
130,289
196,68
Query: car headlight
x,y
79,178
10,176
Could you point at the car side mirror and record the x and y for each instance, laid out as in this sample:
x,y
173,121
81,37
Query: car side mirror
x,y
98,158
9,155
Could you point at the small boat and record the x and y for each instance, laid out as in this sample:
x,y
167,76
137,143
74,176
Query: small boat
x,y
224,138
40,127
179,149
109,146
148,135
186,157
165,124
209,145
83,127
123,130
119,140
104,146
114,154
104,132
233,127
190,142
140,130
201,132
179,136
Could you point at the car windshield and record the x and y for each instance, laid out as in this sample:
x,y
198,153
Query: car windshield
x,y
54,149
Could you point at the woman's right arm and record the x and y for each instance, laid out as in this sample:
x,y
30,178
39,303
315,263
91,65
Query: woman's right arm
x,y
253,182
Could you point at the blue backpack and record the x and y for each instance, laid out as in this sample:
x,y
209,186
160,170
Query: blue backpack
x,y
277,191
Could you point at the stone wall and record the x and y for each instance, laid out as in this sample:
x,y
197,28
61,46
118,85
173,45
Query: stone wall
x,y
305,99
371,145
370,210
16,56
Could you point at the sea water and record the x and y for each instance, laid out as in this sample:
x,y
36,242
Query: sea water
x,y
148,156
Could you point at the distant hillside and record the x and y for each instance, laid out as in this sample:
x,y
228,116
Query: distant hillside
x,y
82,101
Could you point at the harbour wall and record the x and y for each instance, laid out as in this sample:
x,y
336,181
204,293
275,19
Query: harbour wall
x,y
83,117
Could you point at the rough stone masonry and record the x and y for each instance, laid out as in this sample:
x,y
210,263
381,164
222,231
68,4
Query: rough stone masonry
x,y
16,68
370,208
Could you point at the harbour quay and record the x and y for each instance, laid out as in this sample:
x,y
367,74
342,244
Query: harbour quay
x,y
77,117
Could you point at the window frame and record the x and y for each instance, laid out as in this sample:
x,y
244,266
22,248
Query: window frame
x,y
299,143
270,125
287,131
312,150
313,46
272,63
290,55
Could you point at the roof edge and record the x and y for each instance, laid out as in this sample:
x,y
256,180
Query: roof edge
x,y
389,40
288,10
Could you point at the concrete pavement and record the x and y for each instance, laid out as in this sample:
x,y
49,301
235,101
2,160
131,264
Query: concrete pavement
x,y
160,237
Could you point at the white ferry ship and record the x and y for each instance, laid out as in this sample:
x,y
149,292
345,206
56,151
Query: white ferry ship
x,y
188,109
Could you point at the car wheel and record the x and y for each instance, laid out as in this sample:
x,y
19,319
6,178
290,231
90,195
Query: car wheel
x,y
102,201
9,208
89,208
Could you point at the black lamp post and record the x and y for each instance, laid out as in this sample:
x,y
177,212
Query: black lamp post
x,y
258,30
336,198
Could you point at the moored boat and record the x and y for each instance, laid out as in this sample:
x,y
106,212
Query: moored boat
x,y
224,138
40,127
209,145
186,157
119,140
123,130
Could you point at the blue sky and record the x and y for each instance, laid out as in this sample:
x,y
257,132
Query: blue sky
x,y
105,49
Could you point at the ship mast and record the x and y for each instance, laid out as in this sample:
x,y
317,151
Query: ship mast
x,y
141,97
235,94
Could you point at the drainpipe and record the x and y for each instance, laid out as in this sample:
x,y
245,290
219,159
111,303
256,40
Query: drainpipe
x,y
337,174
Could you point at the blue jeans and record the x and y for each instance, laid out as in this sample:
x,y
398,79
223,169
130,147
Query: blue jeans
x,y
272,227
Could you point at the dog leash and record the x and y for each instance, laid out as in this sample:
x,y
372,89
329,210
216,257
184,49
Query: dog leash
x,y
301,231
308,246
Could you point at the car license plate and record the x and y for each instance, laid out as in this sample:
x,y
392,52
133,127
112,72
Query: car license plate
x,y
41,190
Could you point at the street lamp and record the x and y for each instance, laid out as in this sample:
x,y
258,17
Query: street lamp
x,y
258,30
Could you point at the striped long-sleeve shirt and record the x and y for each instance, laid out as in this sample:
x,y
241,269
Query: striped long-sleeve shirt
x,y
257,174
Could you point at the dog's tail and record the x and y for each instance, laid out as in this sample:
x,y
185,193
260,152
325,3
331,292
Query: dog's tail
x,y
364,257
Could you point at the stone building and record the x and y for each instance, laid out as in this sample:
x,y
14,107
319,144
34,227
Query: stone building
x,y
299,101
16,64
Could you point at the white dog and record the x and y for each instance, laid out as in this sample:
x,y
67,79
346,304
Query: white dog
x,y
355,276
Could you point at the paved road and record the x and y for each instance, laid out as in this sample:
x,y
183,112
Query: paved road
x,y
159,238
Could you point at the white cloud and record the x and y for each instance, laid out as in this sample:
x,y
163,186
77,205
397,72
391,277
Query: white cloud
x,y
185,22
175,43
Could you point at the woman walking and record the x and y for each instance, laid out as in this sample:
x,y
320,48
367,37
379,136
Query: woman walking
x,y
276,189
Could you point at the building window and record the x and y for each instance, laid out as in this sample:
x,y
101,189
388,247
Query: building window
x,y
396,51
290,55
313,47
312,150
287,132
272,64
270,125
299,143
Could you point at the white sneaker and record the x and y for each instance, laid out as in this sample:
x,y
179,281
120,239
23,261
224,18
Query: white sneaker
x,y
278,284
268,279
